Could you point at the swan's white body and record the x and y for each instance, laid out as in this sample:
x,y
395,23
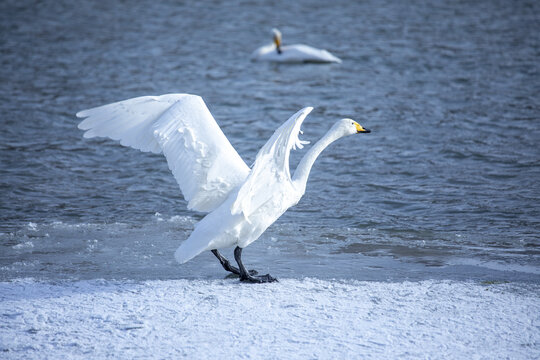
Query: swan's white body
x,y
242,203
298,53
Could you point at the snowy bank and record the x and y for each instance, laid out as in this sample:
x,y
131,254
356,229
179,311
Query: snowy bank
x,y
304,319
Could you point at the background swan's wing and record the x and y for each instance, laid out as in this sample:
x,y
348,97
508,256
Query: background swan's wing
x,y
305,53
271,169
294,54
202,160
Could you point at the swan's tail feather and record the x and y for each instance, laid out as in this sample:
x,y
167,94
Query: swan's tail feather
x,y
188,250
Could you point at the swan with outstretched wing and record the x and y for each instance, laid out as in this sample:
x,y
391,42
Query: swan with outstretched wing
x,y
241,203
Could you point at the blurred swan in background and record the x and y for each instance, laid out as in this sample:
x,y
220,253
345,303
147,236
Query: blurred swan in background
x,y
241,202
298,53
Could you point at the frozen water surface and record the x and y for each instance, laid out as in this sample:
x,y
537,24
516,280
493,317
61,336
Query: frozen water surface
x,y
306,319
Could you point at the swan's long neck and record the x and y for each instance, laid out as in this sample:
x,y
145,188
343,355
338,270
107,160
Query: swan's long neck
x,y
303,169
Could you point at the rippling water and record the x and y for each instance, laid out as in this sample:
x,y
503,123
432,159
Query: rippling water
x,y
446,185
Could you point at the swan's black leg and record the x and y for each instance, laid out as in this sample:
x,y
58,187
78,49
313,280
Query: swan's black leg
x,y
227,265
247,277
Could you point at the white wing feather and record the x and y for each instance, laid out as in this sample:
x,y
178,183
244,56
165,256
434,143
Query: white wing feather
x,y
129,121
271,166
202,160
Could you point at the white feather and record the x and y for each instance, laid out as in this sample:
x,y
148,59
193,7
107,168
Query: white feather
x,y
271,166
202,160
297,53
129,121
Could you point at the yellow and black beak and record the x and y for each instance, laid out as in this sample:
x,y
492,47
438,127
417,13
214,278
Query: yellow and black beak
x,y
360,129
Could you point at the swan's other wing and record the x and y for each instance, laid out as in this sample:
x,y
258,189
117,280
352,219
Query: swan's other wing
x,y
271,168
129,121
202,160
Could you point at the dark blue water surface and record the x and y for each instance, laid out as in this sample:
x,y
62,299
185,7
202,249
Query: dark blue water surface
x,y
447,185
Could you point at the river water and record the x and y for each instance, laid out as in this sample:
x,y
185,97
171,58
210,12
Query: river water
x,y
446,186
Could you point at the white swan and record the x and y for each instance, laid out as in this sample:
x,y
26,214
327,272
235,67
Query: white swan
x,y
292,53
242,202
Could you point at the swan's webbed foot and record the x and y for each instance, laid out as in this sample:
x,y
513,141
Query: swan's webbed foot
x,y
258,279
227,265
232,275
246,276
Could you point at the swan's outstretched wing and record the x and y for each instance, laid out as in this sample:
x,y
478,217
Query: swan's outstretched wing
x,y
271,168
202,160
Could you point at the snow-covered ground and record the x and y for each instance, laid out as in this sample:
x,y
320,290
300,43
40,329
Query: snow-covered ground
x,y
303,319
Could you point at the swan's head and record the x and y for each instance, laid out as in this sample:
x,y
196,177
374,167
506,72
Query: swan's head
x,y
277,37
345,127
